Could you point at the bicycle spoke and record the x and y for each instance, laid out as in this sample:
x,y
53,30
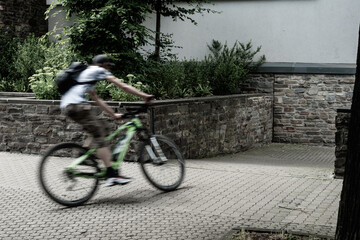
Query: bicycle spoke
x,y
69,188
162,164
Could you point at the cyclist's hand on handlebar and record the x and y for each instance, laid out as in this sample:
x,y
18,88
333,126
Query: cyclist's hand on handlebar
x,y
149,100
118,116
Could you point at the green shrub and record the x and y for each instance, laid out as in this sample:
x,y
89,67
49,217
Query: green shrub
x,y
42,83
29,57
179,79
102,89
57,56
222,72
168,81
196,80
227,67
8,48
119,95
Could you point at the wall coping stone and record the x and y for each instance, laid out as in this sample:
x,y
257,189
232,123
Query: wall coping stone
x,y
17,94
32,100
344,110
307,68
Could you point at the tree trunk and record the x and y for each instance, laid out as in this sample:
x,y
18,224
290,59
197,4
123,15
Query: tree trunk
x,y
348,224
158,28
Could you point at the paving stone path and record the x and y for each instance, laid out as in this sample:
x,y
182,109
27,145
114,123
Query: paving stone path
x,y
279,186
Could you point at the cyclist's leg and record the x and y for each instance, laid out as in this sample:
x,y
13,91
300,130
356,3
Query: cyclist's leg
x,y
83,115
104,153
98,130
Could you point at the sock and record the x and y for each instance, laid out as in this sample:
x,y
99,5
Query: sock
x,y
110,172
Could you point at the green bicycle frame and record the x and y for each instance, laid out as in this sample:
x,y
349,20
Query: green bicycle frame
x,y
131,127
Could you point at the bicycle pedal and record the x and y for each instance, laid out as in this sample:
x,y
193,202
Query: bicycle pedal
x,y
88,162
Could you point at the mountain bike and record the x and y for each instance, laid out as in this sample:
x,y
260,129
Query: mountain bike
x,y
70,174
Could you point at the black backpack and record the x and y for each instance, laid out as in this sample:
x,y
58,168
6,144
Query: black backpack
x,y
67,78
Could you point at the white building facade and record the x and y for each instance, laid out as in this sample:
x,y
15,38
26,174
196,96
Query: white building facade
x,y
289,31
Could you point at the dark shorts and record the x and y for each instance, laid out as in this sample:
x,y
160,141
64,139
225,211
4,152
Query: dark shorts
x,y
96,128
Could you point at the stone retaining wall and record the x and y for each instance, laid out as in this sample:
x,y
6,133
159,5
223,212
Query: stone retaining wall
x,y
202,127
305,105
25,16
296,108
342,131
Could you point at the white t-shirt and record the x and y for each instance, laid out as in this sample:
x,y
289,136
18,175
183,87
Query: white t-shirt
x,y
77,94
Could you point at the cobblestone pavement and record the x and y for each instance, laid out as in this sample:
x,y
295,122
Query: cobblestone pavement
x,y
279,186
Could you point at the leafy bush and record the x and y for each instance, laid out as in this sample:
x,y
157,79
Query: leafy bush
x,y
8,48
102,89
175,79
112,27
57,56
167,81
20,59
195,72
221,72
43,85
227,67
119,95
30,56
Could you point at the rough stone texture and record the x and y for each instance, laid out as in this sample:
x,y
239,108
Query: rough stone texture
x,y
210,126
342,130
301,108
305,105
201,127
24,16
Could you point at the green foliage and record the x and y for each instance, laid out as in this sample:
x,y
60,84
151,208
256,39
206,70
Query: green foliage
x,y
102,89
29,57
222,71
170,8
43,85
57,56
175,79
8,48
19,60
227,67
111,26
165,82
119,95
195,72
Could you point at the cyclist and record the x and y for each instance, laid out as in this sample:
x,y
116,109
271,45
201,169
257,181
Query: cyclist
x,y
76,106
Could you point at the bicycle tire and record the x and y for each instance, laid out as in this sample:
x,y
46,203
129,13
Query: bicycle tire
x,y
58,184
166,176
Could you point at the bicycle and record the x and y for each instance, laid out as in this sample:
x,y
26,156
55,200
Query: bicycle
x,y
79,171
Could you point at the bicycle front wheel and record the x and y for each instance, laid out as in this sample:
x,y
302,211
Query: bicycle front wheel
x,y
68,188
162,163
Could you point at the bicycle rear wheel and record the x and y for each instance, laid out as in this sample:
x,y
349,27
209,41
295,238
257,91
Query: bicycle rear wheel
x,y
165,169
63,186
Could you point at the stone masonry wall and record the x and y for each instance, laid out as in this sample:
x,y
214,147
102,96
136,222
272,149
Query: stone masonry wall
x,y
202,127
210,126
342,131
25,16
305,105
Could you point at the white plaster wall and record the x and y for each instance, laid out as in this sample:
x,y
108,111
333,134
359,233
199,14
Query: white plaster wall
x,y
312,31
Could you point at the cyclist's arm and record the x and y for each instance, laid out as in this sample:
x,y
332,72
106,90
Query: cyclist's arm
x,y
130,89
101,103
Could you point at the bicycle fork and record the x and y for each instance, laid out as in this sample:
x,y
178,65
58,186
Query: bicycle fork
x,y
162,158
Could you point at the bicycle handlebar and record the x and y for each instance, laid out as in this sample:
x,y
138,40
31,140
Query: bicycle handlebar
x,y
131,113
